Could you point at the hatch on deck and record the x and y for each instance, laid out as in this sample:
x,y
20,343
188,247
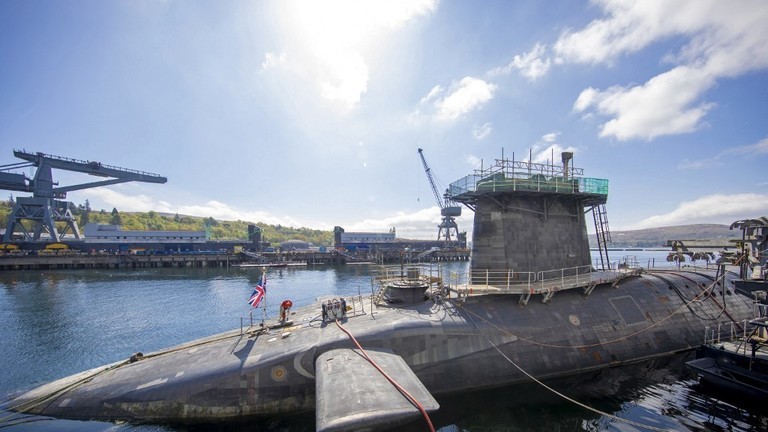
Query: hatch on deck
x,y
352,395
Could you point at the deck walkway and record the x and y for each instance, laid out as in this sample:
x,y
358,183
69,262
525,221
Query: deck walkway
x,y
526,284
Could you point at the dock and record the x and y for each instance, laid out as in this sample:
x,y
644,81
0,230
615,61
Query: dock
x,y
113,261
77,260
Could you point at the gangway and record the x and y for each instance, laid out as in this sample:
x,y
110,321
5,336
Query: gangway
x,y
260,258
427,253
43,208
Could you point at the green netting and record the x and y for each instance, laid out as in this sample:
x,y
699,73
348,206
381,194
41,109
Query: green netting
x,y
499,183
594,186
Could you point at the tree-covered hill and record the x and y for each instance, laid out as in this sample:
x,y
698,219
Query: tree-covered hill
x,y
657,237
219,230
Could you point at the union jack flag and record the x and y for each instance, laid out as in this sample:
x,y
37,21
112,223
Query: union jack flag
x,y
259,292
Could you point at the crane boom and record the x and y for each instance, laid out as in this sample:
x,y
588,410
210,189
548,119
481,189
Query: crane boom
x,y
447,230
43,211
431,180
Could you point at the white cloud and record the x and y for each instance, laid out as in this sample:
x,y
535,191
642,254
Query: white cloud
x,y
110,198
665,105
436,90
550,137
718,208
467,95
724,39
482,131
272,60
531,65
548,150
761,147
587,97
750,150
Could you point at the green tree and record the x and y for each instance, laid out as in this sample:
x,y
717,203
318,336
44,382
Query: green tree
x,y
115,218
85,214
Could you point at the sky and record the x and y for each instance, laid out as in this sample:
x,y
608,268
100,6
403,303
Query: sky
x,y
310,113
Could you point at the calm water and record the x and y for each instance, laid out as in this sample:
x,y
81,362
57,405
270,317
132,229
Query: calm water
x,y
56,323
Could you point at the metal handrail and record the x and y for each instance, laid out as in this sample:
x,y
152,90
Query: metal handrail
x,y
509,281
577,276
536,182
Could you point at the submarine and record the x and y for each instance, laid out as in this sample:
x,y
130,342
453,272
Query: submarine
x,y
531,305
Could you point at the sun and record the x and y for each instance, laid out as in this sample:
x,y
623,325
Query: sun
x,y
337,39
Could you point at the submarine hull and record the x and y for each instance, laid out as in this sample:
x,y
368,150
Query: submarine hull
x,y
451,346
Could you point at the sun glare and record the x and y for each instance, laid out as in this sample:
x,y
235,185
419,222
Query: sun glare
x,y
338,38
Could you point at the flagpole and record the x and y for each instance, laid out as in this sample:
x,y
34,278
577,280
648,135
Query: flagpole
x,y
264,300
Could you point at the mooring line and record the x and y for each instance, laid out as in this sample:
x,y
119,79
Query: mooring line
x,y
569,399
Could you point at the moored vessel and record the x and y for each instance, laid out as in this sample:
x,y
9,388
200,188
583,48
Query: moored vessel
x,y
532,302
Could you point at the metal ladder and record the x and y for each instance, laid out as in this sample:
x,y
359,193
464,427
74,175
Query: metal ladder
x,y
603,234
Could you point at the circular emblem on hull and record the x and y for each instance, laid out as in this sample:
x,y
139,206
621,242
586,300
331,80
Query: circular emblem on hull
x,y
574,320
279,373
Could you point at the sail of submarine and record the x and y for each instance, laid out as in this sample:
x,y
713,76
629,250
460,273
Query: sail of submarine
x,y
532,297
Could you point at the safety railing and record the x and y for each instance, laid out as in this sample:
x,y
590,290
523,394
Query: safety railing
x,y
555,280
407,271
512,282
537,182
756,328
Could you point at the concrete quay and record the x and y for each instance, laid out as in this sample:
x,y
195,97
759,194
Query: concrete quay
x,y
116,261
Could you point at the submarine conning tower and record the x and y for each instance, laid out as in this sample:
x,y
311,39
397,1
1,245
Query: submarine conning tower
x,y
530,217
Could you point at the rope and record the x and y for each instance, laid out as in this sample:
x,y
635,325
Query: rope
x,y
695,299
569,399
404,392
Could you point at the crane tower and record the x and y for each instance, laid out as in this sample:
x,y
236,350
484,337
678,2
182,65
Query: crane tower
x,y
448,230
42,208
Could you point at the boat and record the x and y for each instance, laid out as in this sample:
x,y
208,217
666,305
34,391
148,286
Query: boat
x,y
532,305
738,365
739,362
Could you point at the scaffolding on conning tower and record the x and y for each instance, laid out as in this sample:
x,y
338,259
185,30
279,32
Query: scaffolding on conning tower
x,y
508,184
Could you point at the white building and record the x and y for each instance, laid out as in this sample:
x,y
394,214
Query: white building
x,y
98,233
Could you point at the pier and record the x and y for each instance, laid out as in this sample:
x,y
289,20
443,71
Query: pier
x,y
77,260
113,261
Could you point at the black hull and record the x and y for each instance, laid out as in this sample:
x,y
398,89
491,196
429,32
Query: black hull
x,y
451,346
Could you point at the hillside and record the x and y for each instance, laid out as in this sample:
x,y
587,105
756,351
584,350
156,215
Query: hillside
x,y
219,230
657,237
